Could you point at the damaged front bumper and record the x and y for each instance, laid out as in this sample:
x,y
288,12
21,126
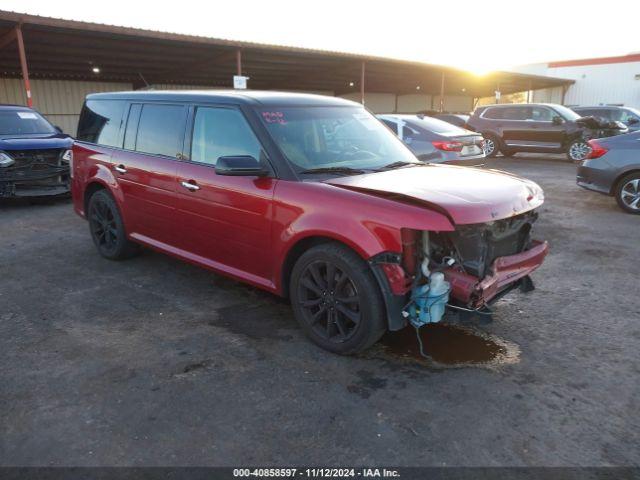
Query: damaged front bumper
x,y
480,262
506,271
36,173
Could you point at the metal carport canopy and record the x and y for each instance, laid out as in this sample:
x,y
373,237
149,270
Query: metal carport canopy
x,y
66,49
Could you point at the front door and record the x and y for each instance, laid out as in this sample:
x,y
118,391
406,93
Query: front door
x,y
225,221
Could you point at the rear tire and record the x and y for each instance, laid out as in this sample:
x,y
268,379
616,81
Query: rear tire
x,y
107,229
336,299
628,193
491,145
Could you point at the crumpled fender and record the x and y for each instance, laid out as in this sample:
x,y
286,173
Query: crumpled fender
x,y
368,224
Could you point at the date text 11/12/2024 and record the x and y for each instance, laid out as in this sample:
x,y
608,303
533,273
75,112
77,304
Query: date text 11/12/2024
x,y
316,472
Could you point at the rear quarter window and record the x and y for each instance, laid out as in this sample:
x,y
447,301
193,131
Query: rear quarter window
x,y
100,122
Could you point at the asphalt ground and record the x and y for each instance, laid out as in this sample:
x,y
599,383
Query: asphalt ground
x,y
154,362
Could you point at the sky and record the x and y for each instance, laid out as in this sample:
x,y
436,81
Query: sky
x,y
479,36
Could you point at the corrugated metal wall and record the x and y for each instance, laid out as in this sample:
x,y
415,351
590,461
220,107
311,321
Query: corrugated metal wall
x,y
614,83
59,100
606,84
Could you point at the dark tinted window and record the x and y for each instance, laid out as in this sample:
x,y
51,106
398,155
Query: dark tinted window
x,y
516,113
457,120
494,113
592,112
161,129
221,132
392,125
540,114
435,125
132,126
100,122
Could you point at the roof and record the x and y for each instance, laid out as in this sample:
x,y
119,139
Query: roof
x,y
69,49
633,57
506,105
249,97
8,106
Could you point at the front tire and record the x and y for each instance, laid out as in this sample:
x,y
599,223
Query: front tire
x,y
578,150
336,299
107,229
628,193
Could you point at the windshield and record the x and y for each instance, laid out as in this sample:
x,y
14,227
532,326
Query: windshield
x,y
566,113
334,138
23,122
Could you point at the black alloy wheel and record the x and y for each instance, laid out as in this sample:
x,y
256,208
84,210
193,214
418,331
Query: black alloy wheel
x,y
107,228
337,300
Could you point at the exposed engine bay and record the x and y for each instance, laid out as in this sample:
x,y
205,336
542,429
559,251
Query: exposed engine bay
x,y
469,267
475,247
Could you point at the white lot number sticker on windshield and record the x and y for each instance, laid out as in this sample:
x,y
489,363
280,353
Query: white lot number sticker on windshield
x,y
367,120
27,115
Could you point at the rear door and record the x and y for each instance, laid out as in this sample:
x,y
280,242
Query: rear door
x,y
225,221
146,167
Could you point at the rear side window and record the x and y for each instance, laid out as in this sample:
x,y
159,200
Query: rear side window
x,y
100,122
220,132
161,130
494,113
516,113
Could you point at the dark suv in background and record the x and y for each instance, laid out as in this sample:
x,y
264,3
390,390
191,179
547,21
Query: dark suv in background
x,y
539,128
627,115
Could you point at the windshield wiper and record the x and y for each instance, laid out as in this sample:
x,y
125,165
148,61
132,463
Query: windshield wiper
x,y
393,165
340,170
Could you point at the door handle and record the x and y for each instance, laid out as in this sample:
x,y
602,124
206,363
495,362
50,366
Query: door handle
x,y
190,186
120,169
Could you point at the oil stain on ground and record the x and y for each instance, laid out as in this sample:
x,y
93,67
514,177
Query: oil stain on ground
x,y
450,345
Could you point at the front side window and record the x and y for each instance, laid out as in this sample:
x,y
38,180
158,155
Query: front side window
x,y
221,132
334,137
161,129
100,122
23,122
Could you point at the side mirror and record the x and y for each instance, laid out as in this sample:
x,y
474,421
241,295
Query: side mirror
x,y
557,120
240,166
633,121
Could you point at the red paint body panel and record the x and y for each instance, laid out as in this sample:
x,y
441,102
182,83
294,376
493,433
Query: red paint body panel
x,y
245,227
468,195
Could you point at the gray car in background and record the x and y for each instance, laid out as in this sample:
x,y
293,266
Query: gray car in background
x,y
436,141
627,115
613,168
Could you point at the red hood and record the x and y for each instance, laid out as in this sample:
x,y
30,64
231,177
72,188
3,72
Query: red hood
x,y
468,195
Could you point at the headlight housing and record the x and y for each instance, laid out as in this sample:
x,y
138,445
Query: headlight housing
x,y
67,156
6,160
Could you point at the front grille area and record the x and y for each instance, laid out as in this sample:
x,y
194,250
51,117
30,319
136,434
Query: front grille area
x,y
35,173
34,165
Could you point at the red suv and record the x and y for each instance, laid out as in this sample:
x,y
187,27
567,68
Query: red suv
x,y
308,197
